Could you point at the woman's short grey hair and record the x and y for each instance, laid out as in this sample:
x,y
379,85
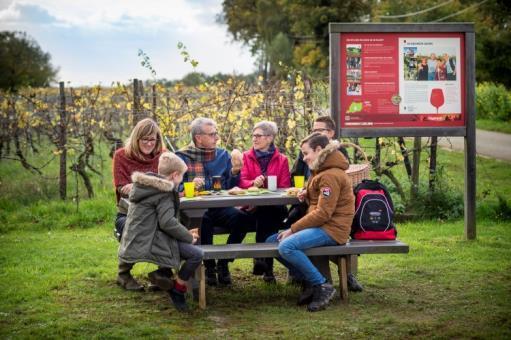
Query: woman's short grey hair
x,y
268,128
197,124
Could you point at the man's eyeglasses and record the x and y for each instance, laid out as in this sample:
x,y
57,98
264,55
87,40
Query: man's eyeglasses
x,y
212,134
148,140
257,136
320,130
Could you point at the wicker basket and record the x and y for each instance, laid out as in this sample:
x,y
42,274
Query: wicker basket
x,y
358,172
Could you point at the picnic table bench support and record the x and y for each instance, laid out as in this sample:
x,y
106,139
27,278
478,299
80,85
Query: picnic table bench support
x,y
341,254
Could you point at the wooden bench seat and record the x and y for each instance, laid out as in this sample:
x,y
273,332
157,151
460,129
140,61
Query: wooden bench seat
x,y
259,250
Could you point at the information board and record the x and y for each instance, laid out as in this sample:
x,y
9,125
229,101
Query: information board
x,y
401,80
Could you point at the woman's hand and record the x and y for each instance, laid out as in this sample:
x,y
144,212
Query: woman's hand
x,y
284,234
125,190
301,195
259,181
236,161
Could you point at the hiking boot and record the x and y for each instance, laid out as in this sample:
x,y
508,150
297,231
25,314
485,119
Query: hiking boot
x,y
260,267
211,276
160,279
306,296
224,277
178,299
127,282
353,284
321,297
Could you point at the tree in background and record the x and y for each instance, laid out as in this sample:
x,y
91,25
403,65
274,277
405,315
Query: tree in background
x,y
289,33
492,19
23,63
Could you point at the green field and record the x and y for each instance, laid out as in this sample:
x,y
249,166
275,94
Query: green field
x,y
493,125
58,267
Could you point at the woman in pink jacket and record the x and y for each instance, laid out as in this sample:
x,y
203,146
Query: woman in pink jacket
x,y
261,161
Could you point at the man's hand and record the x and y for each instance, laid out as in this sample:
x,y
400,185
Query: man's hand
x,y
236,161
301,195
199,182
195,234
125,190
259,181
284,234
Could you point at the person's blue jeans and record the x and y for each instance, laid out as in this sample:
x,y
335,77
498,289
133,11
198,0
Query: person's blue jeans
x,y
292,255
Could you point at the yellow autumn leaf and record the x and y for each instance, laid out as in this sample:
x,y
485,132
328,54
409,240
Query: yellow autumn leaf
x,y
291,124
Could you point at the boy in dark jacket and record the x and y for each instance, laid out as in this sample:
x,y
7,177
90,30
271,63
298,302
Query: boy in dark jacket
x,y
153,232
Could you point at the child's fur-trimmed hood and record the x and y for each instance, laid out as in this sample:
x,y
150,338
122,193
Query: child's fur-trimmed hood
x,y
324,161
152,180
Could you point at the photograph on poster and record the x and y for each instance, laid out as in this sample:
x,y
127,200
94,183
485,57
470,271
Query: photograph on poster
x,y
354,89
354,69
427,72
353,56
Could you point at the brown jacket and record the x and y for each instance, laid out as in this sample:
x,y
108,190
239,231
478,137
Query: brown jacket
x,y
330,196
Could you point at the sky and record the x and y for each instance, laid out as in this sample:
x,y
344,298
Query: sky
x,y
97,41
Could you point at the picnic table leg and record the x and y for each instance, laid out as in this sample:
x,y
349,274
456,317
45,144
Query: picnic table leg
x,y
343,277
202,286
353,264
323,266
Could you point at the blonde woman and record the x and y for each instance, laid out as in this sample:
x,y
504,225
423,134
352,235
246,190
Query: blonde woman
x,y
140,153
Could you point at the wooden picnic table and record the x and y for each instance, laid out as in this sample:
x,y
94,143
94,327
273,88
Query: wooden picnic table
x,y
192,209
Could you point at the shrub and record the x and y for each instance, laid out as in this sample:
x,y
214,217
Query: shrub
x,y
444,203
493,102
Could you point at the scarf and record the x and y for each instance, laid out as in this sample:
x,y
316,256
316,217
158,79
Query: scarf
x,y
123,167
264,158
195,159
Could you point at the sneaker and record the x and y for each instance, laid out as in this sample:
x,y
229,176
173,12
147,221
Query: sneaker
x,y
353,284
306,296
158,279
127,282
178,299
321,297
224,277
211,276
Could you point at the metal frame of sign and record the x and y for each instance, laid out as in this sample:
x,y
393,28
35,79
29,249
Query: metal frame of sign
x,y
467,131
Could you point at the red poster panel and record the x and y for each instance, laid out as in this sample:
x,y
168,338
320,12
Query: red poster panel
x,y
402,80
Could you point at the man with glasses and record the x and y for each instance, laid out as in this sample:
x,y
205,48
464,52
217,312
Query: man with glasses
x,y
324,125
205,160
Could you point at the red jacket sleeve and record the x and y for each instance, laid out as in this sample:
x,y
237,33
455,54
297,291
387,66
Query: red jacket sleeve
x,y
246,177
284,177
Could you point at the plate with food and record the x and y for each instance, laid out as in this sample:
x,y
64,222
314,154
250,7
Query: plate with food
x,y
236,191
257,191
203,193
292,192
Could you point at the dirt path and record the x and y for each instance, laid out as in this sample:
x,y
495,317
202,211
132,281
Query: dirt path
x,y
490,144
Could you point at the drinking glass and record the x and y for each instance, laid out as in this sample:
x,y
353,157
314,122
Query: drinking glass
x,y
437,98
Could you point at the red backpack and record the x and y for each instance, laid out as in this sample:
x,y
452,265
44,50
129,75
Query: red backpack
x,y
374,212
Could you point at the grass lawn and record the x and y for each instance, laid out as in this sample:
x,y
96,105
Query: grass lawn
x,y
60,283
57,276
492,125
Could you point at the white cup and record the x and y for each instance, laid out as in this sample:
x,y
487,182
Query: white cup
x,y
272,183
